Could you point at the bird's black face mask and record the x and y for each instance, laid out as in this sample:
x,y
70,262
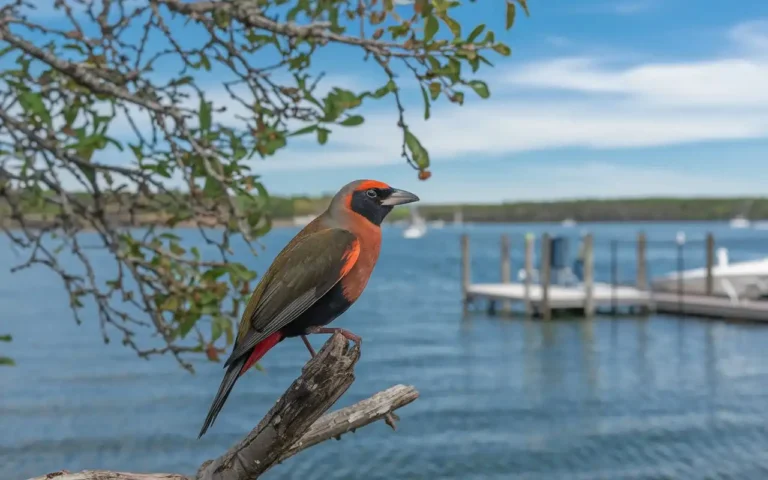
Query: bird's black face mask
x,y
375,203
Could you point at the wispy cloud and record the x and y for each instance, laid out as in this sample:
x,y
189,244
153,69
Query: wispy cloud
x,y
606,106
751,36
631,7
620,7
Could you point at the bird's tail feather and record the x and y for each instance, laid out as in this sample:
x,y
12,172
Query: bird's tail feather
x,y
233,373
235,369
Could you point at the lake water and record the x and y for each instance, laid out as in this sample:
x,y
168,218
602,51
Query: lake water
x,y
612,398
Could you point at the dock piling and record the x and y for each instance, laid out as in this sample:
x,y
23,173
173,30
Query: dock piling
x,y
680,268
528,274
642,276
710,264
506,272
589,276
546,270
465,270
614,275
642,279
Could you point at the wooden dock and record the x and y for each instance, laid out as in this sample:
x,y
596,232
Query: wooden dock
x,y
541,299
605,296
561,298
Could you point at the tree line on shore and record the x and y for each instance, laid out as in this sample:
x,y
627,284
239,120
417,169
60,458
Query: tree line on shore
x,y
586,210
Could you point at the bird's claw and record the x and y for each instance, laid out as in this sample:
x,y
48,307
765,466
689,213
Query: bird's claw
x,y
391,419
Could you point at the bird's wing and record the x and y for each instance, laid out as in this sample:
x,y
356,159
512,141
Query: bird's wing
x,y
299,277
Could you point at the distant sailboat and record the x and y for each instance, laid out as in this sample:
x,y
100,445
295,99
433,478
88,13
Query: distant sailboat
x,y
417,228
739,221
458,217
437,224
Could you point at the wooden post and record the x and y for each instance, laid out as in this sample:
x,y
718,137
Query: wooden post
x,y
710,263
680,268
642,281
589,276
465,270
506,271
528,273
546,249
642,277
614,274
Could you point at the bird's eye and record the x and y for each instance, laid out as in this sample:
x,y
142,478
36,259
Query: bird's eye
x,y
371,193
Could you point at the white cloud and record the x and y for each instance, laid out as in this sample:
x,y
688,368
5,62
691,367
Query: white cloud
x,y
497,129
752,36
730,82
609,106
631,7
620,7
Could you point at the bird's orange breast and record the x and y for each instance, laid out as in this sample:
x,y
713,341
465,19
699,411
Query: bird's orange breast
x,y
356,280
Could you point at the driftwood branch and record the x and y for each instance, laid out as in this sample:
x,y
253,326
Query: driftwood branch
x,y
295,423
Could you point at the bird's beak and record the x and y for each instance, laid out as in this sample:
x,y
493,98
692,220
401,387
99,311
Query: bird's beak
x,y
399,197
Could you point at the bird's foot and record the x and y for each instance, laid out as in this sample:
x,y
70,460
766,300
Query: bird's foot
x,y
309,345
390,419
345,333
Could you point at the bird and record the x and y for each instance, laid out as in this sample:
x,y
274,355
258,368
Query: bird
x,y
314,279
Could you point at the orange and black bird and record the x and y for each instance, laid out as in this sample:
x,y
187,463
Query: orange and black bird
x,y
314,279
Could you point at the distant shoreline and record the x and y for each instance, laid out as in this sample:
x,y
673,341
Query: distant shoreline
x,y
294,212
285,223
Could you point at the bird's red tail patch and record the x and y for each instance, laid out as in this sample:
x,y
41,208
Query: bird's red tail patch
x,y
261,349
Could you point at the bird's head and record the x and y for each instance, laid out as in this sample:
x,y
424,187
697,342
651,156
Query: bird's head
x,y
371,199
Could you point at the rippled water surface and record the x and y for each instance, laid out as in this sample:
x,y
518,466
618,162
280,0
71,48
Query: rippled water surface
x,y
613,398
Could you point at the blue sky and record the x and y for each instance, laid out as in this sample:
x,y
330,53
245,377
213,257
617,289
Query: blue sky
x,y
598,99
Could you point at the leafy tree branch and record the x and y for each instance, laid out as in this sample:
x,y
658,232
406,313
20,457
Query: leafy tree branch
x,y
109,138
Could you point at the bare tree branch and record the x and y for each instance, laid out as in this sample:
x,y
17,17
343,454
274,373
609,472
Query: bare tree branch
x,y
296,421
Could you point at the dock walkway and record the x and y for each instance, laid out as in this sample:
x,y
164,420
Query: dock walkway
x,y
606,296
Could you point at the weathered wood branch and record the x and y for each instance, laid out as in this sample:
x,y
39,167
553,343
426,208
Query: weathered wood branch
x,y
295,423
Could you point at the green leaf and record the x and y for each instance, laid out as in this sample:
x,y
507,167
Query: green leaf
x,y
419,154
524,4
5,338
352,121
217,327
480,88
176,249
425,96
7,361
303,131
453,25
511,11
171,304
322,135
186,325
434,89
205,115
32,102
430,28
475,33
502,49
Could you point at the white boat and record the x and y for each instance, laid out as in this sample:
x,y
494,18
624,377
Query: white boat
x,y
458,218
437,224
734,280
303,220
739,221
568,222
417,228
